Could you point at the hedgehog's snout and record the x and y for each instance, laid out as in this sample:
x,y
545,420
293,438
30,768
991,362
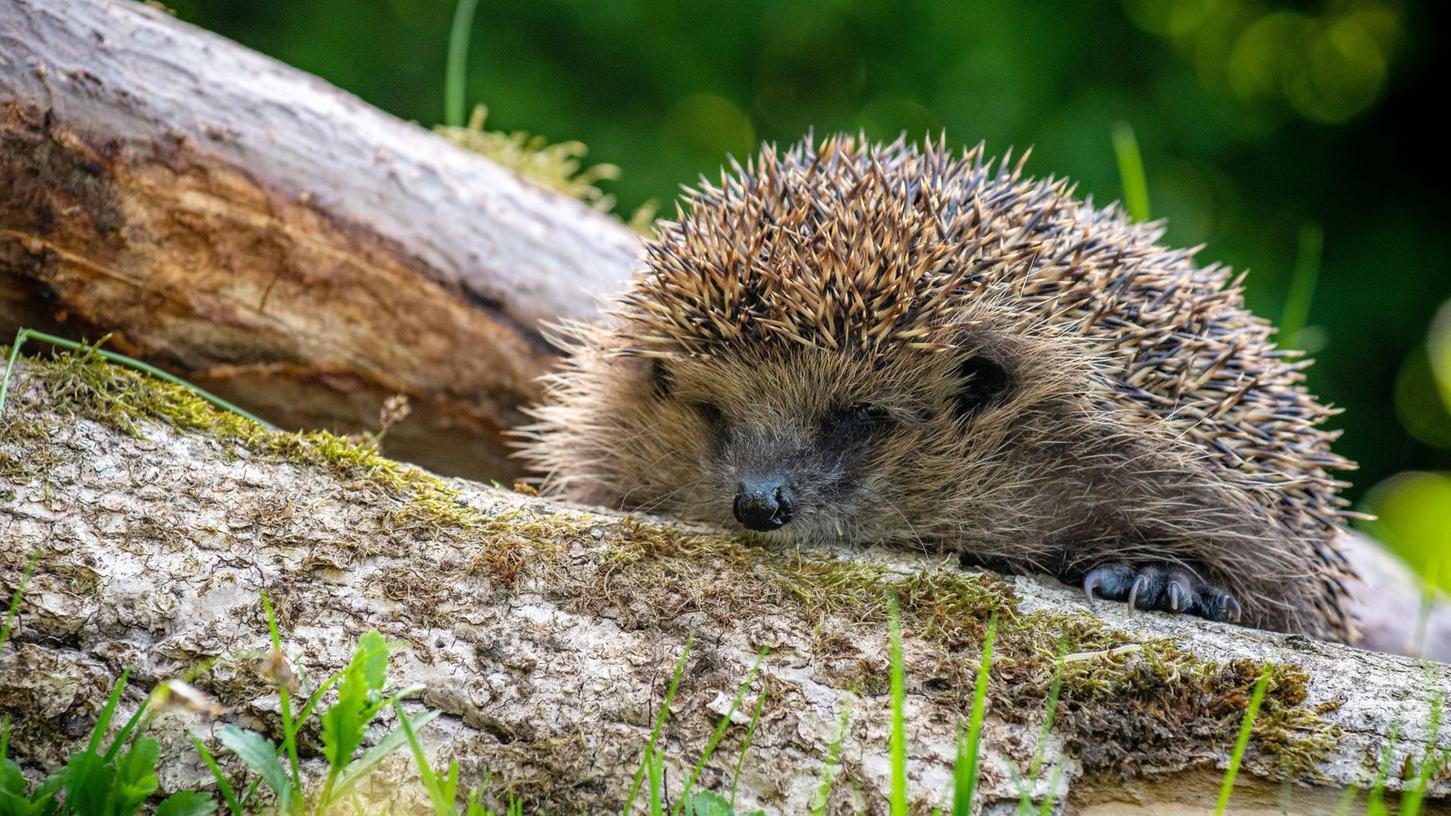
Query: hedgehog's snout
x,y
764,504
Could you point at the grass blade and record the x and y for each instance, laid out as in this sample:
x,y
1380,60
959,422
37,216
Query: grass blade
x,y
107,712
832,764
1226,787
13,611
720,730
385,747
440,795
898,745
1048,801
659,724
1414,795
456,72
745,744
1374,802
316,696
964,773
123,360
1055,690
20,338
657,784
228,795
1131,172
126,730
1347,801
284,699
1302,285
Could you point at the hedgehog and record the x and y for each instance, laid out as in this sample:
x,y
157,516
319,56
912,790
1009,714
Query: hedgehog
x,y
906,345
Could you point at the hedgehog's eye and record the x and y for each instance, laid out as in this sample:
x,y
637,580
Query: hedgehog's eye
x,y
856,421
714,417
660,383
981,382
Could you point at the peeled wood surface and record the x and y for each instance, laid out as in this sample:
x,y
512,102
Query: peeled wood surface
x,y
547,636
258,231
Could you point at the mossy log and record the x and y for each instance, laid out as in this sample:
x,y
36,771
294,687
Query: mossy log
x,y
546,635
277,241
258,231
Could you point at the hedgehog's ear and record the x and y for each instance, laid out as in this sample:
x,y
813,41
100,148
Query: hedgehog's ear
x,y
981,381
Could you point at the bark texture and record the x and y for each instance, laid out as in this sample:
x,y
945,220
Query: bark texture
x,y
547,635
272,238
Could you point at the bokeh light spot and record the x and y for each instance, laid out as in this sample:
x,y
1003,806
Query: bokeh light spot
x,y
1414,521
1171,18
1419,401
1265,53
708,125
1345,71
1438,350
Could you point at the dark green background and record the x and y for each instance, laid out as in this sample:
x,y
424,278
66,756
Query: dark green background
x,y
1255,120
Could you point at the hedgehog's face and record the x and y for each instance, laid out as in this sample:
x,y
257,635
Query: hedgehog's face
x,y
810,444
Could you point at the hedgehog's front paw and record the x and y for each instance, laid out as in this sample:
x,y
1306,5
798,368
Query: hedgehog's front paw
x,y
1165,587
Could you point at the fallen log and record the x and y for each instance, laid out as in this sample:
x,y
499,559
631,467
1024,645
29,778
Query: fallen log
x,y
277,241
259,232
546,635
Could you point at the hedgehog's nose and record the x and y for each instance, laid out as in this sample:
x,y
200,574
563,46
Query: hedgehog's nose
x,y
764,504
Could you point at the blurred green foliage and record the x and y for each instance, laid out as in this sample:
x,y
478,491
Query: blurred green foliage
x,y
1257,120
1414,510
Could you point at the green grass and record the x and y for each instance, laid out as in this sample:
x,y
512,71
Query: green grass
x,y
120,359
831,764
746,743
1055,689
442,788
362,694
965,772
1131,172
898,739
13,611
719,732
115,779
969,744
1413,796
1257,697
456,73
1302,285
650,751
1375,801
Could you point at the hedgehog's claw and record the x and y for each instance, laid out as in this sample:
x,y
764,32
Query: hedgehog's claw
x,y
1161,587
1141,585
1220,605
1181,591
1178,598
1113,579
1149,589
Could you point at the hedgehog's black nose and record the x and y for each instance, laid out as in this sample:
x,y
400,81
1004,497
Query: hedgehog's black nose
x,y
764,504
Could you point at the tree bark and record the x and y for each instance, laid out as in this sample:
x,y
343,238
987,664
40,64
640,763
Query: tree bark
x,y
274,239
547,635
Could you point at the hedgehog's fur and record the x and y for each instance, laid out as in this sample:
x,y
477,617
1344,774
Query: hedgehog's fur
x,y
936,351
